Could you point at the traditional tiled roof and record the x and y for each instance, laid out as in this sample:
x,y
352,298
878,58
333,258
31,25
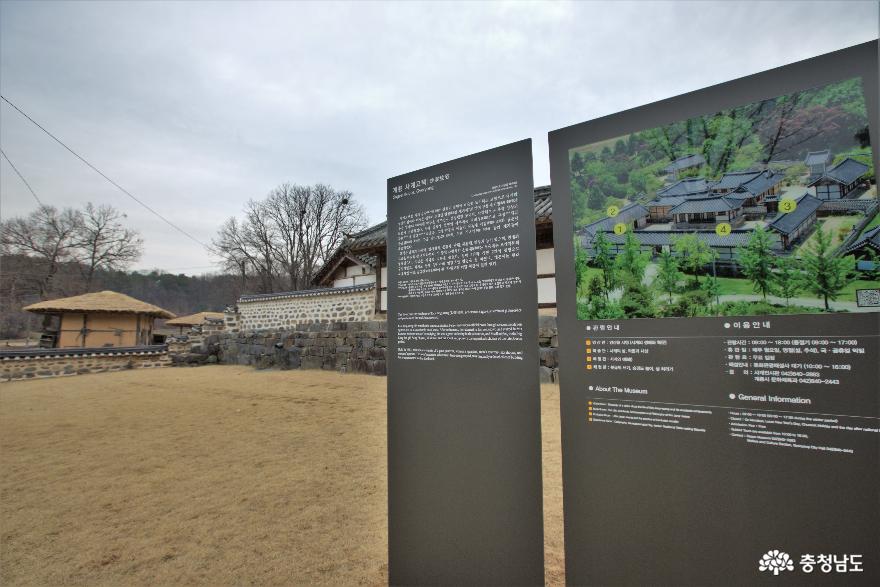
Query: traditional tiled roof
x,y
817,157
685,162
870,239
305,293
739,196
371,237
656,238
845,172
733,179
543,205
703,205
691,185
667,201
626,215
788,223
760,183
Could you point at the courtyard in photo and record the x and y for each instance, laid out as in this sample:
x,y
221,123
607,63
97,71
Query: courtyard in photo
x,y
218,475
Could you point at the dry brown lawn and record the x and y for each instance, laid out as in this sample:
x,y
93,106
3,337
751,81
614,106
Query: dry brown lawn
x,y
214,475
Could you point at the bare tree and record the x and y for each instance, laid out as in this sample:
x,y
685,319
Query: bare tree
x,y
102,242
47,234
286,206
284,238
231,245
262,237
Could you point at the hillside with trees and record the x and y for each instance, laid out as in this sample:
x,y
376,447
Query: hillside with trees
x,y
777,133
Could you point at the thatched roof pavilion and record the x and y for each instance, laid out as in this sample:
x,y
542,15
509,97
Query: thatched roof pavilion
x,y
99,319
196,319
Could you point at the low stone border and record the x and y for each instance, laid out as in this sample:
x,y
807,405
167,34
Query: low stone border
x,y
42,363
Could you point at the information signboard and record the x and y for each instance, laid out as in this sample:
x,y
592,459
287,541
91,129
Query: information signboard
x,y
464,446
719,362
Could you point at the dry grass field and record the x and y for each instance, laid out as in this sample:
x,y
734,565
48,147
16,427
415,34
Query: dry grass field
x,y
214,475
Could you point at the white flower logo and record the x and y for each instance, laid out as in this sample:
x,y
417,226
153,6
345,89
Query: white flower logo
x,y
776,561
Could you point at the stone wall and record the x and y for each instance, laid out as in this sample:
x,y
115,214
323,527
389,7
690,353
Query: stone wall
x,y
288,309
354,347
548,349
15,368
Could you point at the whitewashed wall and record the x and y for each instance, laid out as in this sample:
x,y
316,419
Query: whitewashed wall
x,y
327,306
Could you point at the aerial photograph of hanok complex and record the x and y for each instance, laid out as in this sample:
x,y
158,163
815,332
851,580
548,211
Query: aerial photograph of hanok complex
x,y
766,208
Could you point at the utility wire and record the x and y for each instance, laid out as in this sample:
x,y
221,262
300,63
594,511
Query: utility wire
x,y
102,174
21,177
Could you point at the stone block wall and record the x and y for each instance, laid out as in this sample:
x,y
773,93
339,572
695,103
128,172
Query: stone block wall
x,y
289,309
548,349
354,347
230,320
15,368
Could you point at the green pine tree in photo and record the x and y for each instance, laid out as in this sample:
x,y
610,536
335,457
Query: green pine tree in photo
x,y
712,288
756,260
580,263
632,261
668,274
788,278
595,289
826,274
694,254
604,260
637,301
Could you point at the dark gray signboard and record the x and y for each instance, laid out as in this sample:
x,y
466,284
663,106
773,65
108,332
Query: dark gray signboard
x,y
464,446
716,255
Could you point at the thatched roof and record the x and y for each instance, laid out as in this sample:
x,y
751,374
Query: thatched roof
x,y
194,319
102,301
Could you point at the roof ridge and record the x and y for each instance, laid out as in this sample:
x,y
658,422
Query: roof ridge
x,y
368,229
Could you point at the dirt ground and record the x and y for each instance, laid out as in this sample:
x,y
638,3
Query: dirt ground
x,y
213,475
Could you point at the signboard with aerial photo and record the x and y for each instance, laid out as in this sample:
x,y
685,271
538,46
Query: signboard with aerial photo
x,y
769,207
464,413
718,271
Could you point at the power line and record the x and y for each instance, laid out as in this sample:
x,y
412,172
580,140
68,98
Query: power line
x,y
21,177
102,174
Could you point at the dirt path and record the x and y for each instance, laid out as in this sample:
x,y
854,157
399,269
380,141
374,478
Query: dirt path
x,y
211,476
808,302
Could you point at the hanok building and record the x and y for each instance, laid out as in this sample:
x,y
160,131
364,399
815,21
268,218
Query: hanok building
x,y
655,241
757,184
840,180
869,241
633,216
197,319
796,225
683,164
684,187
732,180
659,210
672,195
101,319
817,162
362,259
707,213
758,189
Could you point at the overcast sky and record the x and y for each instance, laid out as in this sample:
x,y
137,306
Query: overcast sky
x,y
196,107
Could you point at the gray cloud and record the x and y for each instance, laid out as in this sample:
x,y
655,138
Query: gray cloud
x,y
196,107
